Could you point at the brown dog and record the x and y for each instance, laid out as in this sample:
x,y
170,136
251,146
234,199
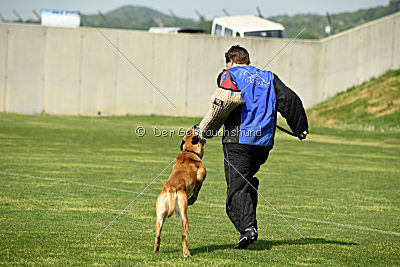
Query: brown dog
x,y
185,180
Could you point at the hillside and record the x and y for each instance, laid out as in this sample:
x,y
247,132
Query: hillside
x,y
372,106
135,17
315,24
142,18
138,17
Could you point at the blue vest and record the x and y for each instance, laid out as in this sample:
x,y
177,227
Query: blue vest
x,y
258,113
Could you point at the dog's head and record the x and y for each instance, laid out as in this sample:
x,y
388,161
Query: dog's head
x,y
193,142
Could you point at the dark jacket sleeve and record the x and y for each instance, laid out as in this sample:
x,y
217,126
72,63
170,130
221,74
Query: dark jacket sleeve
x,y
290,107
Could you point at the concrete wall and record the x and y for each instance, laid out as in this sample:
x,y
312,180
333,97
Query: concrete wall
x,y
77,72
354,56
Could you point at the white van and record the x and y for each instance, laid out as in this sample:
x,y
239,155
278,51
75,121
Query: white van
x,y
174,30
247,26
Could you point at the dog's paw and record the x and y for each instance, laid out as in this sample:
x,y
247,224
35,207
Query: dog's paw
x,y
186,254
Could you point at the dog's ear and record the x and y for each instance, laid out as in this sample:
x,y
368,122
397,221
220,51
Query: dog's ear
x,y
183,142
195,139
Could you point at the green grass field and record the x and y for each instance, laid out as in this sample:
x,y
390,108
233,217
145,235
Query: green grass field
x,y
63,179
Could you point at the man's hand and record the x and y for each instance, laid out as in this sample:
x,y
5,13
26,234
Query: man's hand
x,y
191,200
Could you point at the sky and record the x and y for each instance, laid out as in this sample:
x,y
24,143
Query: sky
x,y
186,8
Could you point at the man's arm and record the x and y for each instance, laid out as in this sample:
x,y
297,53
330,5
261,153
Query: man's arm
x,y
223,102
225,99
291,108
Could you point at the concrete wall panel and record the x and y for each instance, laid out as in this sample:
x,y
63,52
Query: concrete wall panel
x,y
3,65
133,91
99,75
396,43
169,73
63,66
25,65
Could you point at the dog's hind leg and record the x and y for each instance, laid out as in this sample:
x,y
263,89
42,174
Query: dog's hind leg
x,y
183,205
162,212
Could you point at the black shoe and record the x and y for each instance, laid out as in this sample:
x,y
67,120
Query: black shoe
x,y
247,238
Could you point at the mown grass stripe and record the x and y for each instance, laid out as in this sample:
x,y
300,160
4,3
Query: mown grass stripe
x,y
355,227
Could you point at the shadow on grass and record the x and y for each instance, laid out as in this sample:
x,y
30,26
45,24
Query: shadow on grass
x,y
268,244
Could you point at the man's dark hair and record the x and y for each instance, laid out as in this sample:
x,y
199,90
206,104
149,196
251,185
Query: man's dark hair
x,y
238,54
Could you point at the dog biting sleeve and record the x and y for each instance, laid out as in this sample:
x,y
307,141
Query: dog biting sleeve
x,y
225,99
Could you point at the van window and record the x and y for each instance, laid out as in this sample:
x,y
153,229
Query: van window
x,y
228,32
218,29
277,34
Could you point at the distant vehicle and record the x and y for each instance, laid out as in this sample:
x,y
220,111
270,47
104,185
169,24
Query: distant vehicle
x,y
174,30
247,26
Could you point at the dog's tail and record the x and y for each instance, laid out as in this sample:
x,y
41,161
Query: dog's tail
x,y
171,201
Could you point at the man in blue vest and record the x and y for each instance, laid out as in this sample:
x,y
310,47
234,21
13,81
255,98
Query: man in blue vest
x,y
246,102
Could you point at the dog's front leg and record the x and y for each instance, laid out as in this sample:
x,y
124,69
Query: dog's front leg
x,y
201,176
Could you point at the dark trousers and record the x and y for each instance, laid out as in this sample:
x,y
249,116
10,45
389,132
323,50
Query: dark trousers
x,y
241,200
